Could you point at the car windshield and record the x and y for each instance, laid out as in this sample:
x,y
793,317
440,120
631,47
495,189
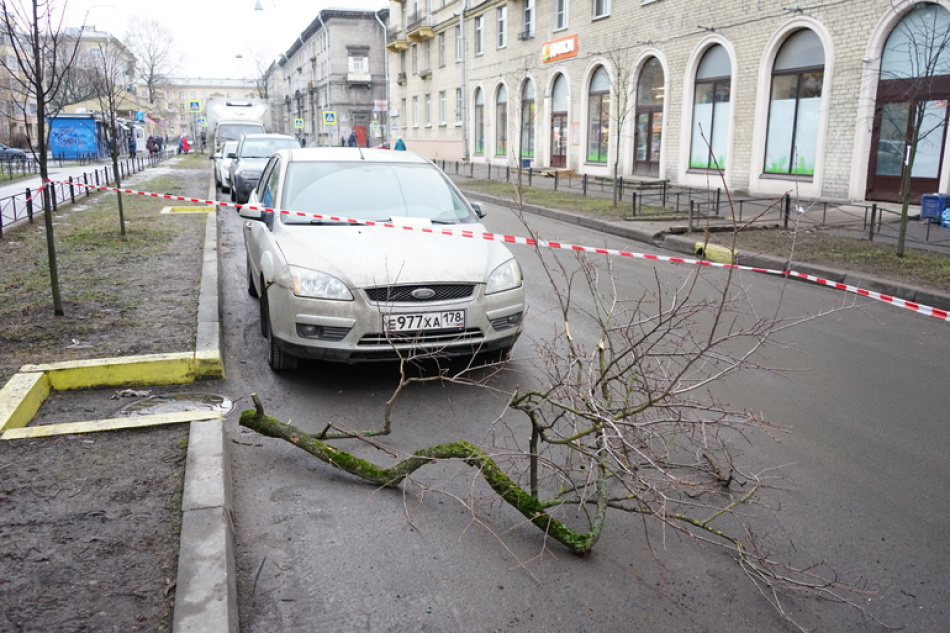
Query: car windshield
x,y
265,147
234,131
371,191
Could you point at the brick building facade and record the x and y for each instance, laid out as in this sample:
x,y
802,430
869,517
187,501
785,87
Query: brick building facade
x,y
802,98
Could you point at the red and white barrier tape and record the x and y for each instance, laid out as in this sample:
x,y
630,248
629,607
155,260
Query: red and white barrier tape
x,y
920,308
38,191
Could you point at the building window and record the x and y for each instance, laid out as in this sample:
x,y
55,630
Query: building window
x,y
458,105
404,113
502,26
527,119
601,8
479,121
795,106
598,117
359,65
711,105
415,111
458,43
501,122
427,55
442,107
415,59
428,109
527,25
402,61
560,14
479,34
651,90
441,49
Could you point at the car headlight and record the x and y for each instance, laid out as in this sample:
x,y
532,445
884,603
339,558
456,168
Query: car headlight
x,y
250,174
317,285
505,277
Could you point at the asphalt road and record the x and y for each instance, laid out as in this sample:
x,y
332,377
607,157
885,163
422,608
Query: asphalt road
x,y
867,457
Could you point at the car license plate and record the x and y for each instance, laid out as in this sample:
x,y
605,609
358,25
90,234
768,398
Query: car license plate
x,y
448,320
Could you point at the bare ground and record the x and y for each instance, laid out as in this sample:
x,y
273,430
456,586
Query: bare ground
x,y
90,523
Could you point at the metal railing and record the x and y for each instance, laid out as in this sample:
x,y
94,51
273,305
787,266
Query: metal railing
x,y
645,199
23,207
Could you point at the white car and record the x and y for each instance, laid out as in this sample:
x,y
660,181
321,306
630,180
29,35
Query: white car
x,y
334,288
222,165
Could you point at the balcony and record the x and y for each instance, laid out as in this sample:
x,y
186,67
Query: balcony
x,y
359,79
401,79
396,40
425,73
419,26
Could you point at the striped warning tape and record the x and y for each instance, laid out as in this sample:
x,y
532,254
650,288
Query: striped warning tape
x,y
913,306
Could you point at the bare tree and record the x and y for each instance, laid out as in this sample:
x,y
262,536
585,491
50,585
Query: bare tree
x,y
917,63
114,68
153,45
619,76
41,57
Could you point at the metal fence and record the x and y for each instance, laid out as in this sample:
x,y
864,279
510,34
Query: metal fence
x,y
699,207
23,207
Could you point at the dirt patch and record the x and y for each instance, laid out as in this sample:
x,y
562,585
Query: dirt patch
x,y
90,523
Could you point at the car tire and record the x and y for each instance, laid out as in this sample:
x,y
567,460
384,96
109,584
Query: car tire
x,y
251,290
276,358
265,311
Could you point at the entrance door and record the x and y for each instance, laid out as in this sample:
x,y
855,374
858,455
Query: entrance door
x,y
649,137
893,125
559,139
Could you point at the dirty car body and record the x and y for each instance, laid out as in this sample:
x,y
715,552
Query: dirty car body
x,y
333,287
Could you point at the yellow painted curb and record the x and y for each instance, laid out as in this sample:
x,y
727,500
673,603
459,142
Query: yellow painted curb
x,y
109,424
21,398
150,369
208,364
188,210
715,253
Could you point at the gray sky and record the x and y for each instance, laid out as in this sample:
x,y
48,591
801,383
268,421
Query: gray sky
x,y
211,33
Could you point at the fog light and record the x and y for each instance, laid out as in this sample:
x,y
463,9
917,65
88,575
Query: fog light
x,y
308,331
503,323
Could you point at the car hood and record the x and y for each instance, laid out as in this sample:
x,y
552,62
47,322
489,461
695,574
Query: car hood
x,y
365,256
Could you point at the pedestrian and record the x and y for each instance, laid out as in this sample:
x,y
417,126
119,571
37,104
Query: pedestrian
x,y
183,146
400,145
352,139
132,148
150,144
303,141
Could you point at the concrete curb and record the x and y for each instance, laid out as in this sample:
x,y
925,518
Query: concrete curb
x,y
206,590
687,246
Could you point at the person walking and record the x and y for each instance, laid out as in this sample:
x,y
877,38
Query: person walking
x,y
352,140
400,145
132,148
150,144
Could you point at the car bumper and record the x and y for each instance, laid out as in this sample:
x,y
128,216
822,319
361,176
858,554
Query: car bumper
x,y
352,332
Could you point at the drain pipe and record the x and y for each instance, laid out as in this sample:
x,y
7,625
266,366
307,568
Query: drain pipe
x,y
464,113
385,131
328,106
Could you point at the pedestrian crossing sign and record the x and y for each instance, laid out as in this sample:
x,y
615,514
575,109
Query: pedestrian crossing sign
x,y
194,106
329,117
298,123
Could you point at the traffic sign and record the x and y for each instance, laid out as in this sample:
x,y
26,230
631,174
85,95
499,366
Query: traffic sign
x,y
194,106
202,121
329,117
298,123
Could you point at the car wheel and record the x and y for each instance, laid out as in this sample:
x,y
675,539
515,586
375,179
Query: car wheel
x,y
265,311
232,196
276,358
251,290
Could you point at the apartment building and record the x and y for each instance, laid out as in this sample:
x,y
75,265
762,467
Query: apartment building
x,y
332,81
814,98
172,110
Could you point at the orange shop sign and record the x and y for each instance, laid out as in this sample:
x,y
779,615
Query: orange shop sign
x,y
564,48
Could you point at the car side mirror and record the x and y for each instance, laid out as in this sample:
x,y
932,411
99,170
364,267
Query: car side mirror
x,y
232,154
251,213
478,209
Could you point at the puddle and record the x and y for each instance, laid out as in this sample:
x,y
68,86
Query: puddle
x,y
158,404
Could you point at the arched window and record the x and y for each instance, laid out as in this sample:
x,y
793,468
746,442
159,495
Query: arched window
x,y
711,107
911,106
527,119
479,121
649,139
501,122
794,106
598,116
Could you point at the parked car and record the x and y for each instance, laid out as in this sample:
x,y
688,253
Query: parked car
x,y
222,164
11,153
337,289
249,158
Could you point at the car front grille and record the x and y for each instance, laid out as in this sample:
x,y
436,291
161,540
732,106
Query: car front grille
x,y
403,294
421,339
